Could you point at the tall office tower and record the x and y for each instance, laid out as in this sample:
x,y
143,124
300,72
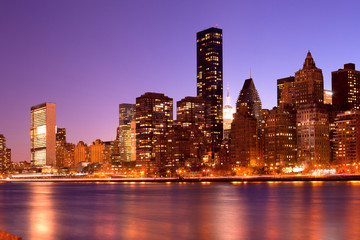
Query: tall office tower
x,y
309,83
5,155
346,88
154,117
250,99
81,153
346,138
280,139
192,135
43,135
328,97
313,134
123,136
244,142
285,91
60,146
210,79
228,115
126,113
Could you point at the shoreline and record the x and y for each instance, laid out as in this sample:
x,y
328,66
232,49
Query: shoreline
x,y
264,178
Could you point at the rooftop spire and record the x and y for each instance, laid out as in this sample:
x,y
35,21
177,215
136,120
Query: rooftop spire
x,y
309,61
228,102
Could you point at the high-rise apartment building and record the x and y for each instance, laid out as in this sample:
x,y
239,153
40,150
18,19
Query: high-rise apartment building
x,y
280,139
346,138
81,153
328,97
5,155
346,88
43,134
191,136
210,79
154,117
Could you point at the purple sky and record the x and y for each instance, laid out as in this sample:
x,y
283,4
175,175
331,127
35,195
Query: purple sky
x,y
89,56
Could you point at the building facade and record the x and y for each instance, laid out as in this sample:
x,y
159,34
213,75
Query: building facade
x,y
345,88
5,155
346,138
280,142
285,91
210,79
43,135
154,117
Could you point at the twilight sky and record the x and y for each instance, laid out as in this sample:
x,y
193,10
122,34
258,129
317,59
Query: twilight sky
x,y
88,56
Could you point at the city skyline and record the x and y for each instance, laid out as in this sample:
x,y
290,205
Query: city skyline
x,y
88,108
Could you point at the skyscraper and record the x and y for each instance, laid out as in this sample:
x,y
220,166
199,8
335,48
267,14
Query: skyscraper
x,y
123,136
285,90
154,117
43,134
228,115
250,99
312,118
309,83
346,88
210,79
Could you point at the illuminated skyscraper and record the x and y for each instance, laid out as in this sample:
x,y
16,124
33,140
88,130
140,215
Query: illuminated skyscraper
x,y
309,83
228,115
123,136
346,88
328,97
154,117
312,118
43,134
210,79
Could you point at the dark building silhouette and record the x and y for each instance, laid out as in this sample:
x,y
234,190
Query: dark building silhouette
x,y
285,90
250,99
244,140
345,88
210,79
154,117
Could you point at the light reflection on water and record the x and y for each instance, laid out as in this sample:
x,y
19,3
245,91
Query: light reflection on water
x,y
299,210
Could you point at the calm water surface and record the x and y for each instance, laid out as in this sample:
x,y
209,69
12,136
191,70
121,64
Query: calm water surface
x,y
304,210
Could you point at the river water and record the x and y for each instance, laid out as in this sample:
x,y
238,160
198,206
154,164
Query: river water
x,y
289,210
